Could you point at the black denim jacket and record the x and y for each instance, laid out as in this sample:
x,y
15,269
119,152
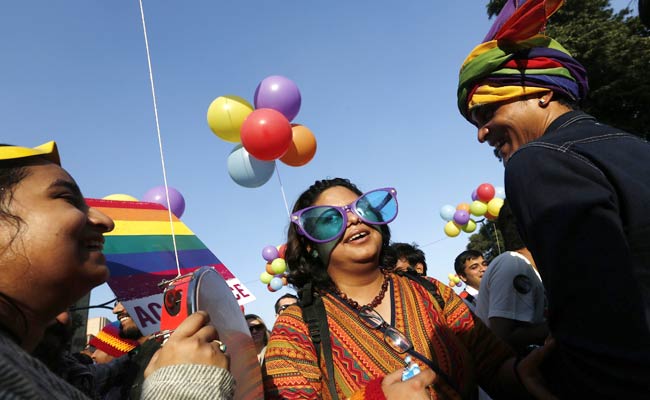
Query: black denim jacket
x,y
581,195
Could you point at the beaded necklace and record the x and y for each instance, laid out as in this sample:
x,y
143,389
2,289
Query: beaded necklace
x,y
374,303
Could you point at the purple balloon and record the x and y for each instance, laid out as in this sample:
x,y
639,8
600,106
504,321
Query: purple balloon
x,y
461,217
474,195
270,253
176,200
280,94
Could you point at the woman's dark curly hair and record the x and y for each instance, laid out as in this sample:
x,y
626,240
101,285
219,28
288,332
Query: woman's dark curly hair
x,y
302,265
12,172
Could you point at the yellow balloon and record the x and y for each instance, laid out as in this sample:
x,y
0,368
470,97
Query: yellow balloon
x,y
451,277
451,229
226,115
469,227
121,197
494,206
455,279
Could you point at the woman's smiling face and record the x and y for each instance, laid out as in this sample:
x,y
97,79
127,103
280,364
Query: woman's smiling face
x,y
57,246
359,242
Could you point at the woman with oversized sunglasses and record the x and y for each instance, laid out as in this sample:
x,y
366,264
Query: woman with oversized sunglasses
x,y
337,242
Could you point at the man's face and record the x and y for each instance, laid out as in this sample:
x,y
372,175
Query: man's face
x,y
474,270
284,303
128,328
403,265
508,126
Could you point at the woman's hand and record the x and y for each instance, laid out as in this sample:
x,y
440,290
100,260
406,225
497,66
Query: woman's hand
x,y
193,342
529,372
413,389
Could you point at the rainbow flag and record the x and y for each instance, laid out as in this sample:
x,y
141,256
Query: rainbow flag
x,y
140,251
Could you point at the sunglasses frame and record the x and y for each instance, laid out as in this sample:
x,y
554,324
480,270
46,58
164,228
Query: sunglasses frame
x,y
367,314
296,216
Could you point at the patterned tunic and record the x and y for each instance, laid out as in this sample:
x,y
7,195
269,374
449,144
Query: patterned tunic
x,y
460,344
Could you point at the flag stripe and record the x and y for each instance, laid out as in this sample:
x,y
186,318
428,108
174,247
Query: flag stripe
x,y
129,228
150,243
136,263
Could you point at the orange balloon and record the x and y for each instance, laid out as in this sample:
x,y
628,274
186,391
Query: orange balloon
x,y
269,269
463,206
302,148
490,217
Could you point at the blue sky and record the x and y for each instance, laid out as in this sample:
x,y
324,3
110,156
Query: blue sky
x,y
378,83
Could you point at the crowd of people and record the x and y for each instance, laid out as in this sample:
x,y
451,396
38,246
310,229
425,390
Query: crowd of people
x,y
541,320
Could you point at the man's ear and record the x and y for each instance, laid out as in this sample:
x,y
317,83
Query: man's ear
x,y
462,278
545,100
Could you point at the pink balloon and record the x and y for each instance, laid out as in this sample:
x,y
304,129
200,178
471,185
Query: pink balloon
x,y
176,200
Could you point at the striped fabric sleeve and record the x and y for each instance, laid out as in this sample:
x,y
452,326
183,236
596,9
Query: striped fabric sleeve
x,y
290,363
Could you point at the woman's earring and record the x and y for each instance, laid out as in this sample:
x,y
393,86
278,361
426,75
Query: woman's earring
x,y
542,102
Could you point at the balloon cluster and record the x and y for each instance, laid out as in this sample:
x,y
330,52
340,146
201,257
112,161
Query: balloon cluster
x,y
275,276
454,280
265,133
486,202
157,195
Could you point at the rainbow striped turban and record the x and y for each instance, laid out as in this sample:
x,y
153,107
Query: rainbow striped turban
x,y
516,60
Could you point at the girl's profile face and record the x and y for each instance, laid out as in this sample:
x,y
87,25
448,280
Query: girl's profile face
x,y
55,254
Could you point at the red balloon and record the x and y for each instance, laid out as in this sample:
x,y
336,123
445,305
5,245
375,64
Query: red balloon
x,y
266,134
490,217
485,192
282,249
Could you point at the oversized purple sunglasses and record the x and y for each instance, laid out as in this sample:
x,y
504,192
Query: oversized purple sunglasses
x,y
322,224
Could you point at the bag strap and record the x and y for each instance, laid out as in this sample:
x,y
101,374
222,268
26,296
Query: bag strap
x,y
428,285
314,314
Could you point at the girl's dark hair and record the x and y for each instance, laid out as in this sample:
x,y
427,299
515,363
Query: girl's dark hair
x,y
303,267
11,173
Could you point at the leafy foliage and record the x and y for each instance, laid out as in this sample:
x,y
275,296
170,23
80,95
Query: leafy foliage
x,y
615,50
486,242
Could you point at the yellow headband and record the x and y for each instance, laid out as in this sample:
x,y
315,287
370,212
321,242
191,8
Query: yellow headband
x,y
487,94
47,150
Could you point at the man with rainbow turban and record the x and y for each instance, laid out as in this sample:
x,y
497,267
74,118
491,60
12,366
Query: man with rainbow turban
x,y
580,191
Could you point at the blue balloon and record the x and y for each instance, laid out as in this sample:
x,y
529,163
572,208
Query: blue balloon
x,y
248,171
276,283
500,192
447,212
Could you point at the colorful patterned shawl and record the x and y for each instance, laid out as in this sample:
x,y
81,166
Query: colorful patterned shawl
x,y
463,347
515,60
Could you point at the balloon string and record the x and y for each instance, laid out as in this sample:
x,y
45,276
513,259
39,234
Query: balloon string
x,y
434,242
160,146
286,205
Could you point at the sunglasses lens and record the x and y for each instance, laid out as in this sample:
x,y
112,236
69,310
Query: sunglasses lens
x,y
379,207
396,340
322,223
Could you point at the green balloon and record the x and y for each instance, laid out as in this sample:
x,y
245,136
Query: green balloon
x,y
478,208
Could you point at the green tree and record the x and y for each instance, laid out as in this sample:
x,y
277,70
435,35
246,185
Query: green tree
x,y
488,240
615,50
